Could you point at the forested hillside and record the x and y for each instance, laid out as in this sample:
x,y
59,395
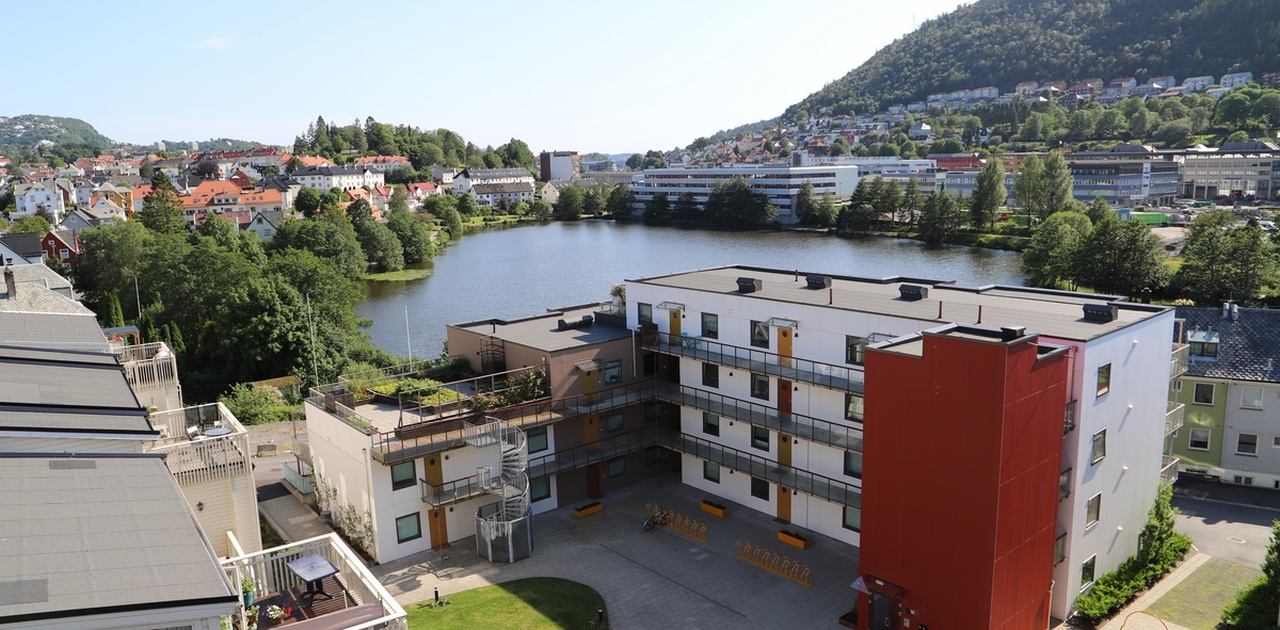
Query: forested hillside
x,y
28,130
1003,42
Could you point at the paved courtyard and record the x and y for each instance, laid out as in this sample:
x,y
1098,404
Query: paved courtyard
x,y
658,579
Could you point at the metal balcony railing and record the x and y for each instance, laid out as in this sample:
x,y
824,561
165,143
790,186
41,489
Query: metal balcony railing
x,y
820,486
1169,468
594,453
1069,418
1173,417
1179,360
830,376
458,490
822,431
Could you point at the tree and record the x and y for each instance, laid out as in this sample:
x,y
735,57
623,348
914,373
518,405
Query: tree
x,y
593,201
541,210
114,314
838,147
111,256
161,209
1111,123
939,218
825,216
381,247
733,204
147,169
467,205
1058,184
30,224
805,204
1121,258
686,207
620,200
635,162
988,194
414,237
1028,186
1266,109
1220,263
399,201
1232,111
360,212
569,206
657,209
1099,210
1174,133
911,200
307,202
330,237
1140,124
1052,255
206,169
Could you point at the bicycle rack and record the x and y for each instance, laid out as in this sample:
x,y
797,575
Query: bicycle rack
x,y
678,522
774,563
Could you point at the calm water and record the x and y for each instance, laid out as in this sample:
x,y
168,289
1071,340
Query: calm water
x,y
525,270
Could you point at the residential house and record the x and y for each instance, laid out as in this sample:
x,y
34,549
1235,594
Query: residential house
x,y
1270,79
1026,88
548,192
1167,80
61,245
1199,84
264,224
25,245
418,191
326,178
106,211
380,197
443,176
1085,88
120,196
240,178
382,163
283,184
1235,79
1148,90
311,161
921,132
42,198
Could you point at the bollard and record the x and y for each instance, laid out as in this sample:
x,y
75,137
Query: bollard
x,y
600,615
437,594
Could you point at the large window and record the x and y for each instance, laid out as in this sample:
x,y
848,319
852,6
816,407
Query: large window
x,y
408,527
1247,444
759,488
760,438
402,475
1251,397
760,386
613,420
615,467
613,371
1060,549
710,375
710,423
853,406
1093,511
1203,394
540,488
710,325
855,349
1086,572
711,471
1064,484
538,440
1104,379
644,312
853,464
852,519
1099,446
759,334
1198,439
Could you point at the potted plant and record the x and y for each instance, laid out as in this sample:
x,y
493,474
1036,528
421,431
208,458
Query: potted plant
x,y
278,613
246,591
649,333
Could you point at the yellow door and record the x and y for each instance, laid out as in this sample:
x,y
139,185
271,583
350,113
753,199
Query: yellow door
x,y
784,346
784,504
438,526
784,449
589,387
434,473
674,322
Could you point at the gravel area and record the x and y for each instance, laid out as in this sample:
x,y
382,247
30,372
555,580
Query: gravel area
x,y
279,433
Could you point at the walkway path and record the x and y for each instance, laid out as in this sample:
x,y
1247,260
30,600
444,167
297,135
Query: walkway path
x,y
287,515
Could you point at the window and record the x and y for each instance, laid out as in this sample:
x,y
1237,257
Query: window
x,y
1086,572
538,440
613,420
1093,511
853,406
855,349
1099,445
402,475
759,334
652,411
649,364
760,386
615,467
1059,549
710,325
613,371
1203,394
1247,444
1104,379
644,312
711,471
539,488
1198,440
760,438
759,488
852,519
710,423
408,527
1064,484
1246,481
652,455
853,464
1203,344
1251,397
710,375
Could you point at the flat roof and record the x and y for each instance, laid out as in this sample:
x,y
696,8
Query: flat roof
x,y
73,420
76,378
91,535
52,330
542,331
1057,314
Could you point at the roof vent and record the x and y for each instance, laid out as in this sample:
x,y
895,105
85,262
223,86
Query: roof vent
x,y
1009,333
749,285
1100,312
818,282
913,292
585,322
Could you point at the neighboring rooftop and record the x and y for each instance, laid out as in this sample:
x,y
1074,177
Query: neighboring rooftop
x,y
63,378
1057,314
1246,347
125,423
543,331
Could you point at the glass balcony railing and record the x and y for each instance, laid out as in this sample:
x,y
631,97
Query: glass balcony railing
x,y
1169,469
822,431
830,376
820,486
1173,417
1179,360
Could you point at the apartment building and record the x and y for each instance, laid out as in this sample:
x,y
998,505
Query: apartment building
x,y
326,178
1252,170
780,184
558,165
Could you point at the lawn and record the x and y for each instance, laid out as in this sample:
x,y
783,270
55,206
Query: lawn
x,y
1197,602
399,276
529,604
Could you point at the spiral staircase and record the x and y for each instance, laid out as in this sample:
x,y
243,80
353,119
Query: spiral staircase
x,y
504,529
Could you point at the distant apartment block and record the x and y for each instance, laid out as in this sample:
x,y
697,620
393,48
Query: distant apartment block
x,y
558,165
780,184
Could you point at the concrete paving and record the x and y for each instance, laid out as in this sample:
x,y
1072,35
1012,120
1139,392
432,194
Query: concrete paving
x,y
658,579
288,515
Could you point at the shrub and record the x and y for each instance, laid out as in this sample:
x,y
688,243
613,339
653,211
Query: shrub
x,y
253,404
1255,606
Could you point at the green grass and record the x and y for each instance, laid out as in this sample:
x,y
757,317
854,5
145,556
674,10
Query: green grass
x,y
1197,602
529,604
399,276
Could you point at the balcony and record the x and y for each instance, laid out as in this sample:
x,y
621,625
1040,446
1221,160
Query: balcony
x,y
813,429
1169,468
595,453
1069,418
357,599
1180,360
152,372
201,444
1173,417
830,376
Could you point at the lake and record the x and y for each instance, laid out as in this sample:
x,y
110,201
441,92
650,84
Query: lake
x,y
525,270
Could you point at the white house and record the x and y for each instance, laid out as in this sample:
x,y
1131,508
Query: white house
x,y
43,196
325,178
1235,79
1197,84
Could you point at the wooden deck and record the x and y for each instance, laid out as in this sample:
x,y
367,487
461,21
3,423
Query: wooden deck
x,y
304,606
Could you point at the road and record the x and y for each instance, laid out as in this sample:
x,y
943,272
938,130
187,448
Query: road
x,y
1230,532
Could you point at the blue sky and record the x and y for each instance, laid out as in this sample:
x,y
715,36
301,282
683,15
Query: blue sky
x,y
586,76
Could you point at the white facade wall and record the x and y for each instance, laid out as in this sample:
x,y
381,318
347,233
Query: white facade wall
x,y
779,183
36,197
1261,468
341,460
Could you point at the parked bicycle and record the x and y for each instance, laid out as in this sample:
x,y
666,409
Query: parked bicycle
x,y
660,516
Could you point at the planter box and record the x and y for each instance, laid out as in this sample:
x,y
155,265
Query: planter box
x,y
715,508
588,509
795,540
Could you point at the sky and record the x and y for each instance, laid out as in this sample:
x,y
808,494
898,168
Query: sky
x,y
606,76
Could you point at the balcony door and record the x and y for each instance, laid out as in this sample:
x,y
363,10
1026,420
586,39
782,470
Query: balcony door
x,y
674,322
438,526
784,346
